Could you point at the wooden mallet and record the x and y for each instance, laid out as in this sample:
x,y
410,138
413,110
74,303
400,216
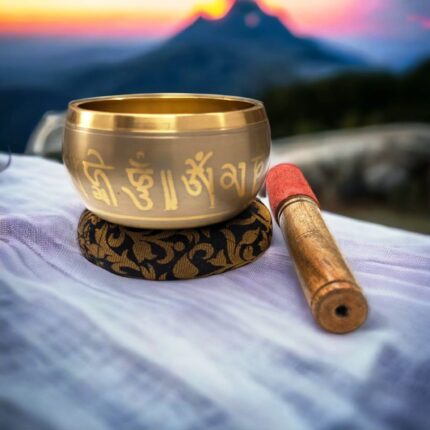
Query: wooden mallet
x,y
333,295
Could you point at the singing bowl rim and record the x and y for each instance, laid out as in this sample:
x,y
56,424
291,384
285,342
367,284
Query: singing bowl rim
x,y
238,112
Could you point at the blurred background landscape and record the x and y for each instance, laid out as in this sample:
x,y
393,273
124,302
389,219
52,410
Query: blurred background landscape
x,y
346,83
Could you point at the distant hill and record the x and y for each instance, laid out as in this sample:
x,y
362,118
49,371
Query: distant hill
x,y
243,53
350,100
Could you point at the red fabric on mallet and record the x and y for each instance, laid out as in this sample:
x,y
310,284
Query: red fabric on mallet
x,y
284,181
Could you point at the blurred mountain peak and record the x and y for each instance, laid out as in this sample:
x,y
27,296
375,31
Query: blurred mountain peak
x,y
244,20
245,52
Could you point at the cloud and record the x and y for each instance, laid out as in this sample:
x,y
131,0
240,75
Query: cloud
x,y
423,21
405,19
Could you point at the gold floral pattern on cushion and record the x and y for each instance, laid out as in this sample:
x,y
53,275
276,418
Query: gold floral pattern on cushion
x,y
176,254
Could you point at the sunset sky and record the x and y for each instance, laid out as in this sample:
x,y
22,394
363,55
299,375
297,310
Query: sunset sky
x,y
388,18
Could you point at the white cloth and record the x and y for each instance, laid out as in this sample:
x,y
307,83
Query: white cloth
x,y
83,349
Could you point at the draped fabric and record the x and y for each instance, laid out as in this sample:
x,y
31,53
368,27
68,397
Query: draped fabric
x,y
82,348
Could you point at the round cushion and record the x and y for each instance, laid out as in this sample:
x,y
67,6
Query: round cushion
x,y
176,254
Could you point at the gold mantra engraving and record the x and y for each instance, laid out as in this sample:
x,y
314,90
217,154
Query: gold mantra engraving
x,y
95,171
140,176
197,174
198,177
234,177
170,198
258,170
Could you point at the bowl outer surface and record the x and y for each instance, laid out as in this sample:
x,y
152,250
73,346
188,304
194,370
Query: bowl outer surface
x,y
166,181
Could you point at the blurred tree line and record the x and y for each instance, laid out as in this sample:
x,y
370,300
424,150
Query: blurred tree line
x,y
350,100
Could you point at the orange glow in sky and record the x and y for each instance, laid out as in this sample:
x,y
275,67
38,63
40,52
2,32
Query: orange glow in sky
x,y
212,8
149,18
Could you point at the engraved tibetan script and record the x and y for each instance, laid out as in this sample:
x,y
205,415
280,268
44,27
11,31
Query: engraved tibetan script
x,y
170,198
258,170
234,177
198,176
140,176
95,171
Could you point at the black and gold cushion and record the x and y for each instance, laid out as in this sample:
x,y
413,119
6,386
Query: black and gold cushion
x,y
176,254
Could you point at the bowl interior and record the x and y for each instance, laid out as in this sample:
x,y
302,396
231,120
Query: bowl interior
x,y
175,105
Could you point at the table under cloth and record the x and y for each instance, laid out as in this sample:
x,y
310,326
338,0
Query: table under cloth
x,y
83,349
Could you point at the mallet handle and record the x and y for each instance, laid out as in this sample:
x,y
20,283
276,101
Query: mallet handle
x,y
333,295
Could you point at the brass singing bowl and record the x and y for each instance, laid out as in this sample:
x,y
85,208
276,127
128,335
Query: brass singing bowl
x,y
165,161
